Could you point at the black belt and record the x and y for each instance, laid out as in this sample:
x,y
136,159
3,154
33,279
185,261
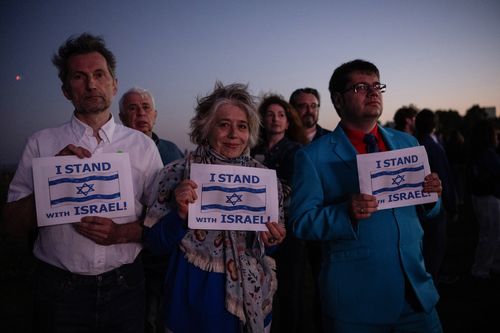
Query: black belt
x,y
126,270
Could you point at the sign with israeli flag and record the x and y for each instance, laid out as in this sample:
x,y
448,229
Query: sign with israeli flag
x,y
395,177
233,197
68,188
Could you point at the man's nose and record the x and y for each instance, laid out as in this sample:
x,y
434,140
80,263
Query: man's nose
x,y
91,82
373,91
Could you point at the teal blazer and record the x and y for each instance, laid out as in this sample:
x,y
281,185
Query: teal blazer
x,y
363,269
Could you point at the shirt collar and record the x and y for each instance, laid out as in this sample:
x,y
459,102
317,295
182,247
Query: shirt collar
x,y
356,137
105,132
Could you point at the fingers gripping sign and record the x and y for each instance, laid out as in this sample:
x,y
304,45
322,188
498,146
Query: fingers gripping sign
x,y
432,183
275,235
184,195
71,149
101,230
362,206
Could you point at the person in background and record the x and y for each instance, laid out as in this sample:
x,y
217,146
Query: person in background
x,y
280,136
89,276
307,102
404,120
434,241
373,277
455,148
138,111
218,280
484,186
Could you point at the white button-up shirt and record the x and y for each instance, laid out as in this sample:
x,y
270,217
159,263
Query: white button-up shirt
x,y
61,245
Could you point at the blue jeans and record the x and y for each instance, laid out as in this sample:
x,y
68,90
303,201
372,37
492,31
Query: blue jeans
x,y
110,302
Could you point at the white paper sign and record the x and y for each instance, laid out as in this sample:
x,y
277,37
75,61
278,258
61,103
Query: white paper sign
x,y
68,188
233,197
395,177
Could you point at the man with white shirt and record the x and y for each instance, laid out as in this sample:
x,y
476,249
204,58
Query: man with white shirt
x,y
89,276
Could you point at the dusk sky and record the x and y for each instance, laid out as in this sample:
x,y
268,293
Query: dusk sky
x,y
434,54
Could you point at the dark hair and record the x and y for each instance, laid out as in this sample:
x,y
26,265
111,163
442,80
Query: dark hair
x,y
341,75
401,115
307,90
425,122
482,135
82,44
295,129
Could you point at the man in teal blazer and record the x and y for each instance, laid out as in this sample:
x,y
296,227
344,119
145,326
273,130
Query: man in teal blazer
x,y
372,276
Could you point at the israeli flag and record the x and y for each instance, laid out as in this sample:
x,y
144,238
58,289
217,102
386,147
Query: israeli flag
x,y
77,189
395,179
233,198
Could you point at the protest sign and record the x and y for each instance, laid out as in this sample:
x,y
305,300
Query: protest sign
x,y
68,188
233,197
395,177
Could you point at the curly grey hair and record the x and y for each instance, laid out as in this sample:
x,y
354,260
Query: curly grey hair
x,y
236,94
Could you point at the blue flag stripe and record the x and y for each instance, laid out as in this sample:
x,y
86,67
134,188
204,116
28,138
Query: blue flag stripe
x,y
234,189
395,188
233,208
82,180
83,199
395,172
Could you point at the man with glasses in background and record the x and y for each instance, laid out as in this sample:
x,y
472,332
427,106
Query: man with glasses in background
x,y
307,254
307,101
373,277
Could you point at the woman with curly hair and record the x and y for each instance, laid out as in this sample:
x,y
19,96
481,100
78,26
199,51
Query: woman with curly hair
x,y
217,280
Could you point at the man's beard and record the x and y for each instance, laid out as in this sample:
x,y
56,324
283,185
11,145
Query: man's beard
x,y
94,107
309,121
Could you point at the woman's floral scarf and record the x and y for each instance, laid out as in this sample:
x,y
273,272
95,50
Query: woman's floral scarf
x,y
250,274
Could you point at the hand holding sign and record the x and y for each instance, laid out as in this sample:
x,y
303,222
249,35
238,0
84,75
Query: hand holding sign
x,y
275,235
398,177
185,193
362,206
432,184
68,188
232,197
78,151
101,230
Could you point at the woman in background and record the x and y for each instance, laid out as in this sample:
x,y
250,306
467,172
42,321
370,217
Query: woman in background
x,y
281,135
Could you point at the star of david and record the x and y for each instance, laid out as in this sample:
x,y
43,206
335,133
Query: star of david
x,y
85,189
398,180
234,198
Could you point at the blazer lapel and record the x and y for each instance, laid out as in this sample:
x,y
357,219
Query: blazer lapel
x,y
388,139
343,148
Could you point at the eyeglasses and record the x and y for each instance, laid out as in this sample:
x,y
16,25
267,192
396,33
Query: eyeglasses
x,y
303,106
365,87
